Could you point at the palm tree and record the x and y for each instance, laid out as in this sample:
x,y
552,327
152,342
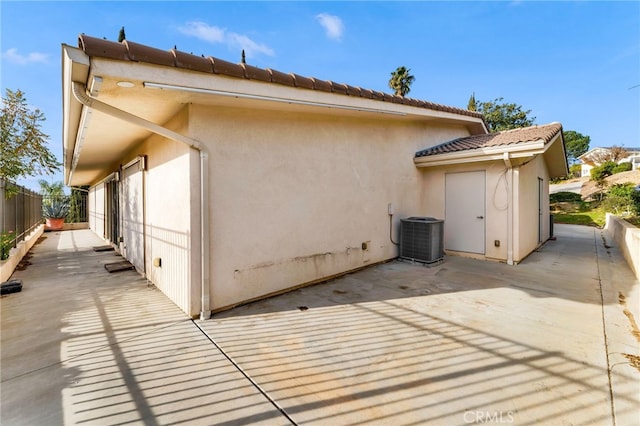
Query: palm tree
x,y
401,81
51,192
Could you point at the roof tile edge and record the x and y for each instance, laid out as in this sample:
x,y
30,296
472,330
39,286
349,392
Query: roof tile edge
x,y
550,131
131,51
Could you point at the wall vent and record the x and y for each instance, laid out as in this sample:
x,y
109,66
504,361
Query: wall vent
x,y
422,239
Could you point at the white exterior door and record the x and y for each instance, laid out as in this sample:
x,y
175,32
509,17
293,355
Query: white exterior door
x,y
465,212
132,215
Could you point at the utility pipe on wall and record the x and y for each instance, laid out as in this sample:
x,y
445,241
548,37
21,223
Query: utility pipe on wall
x,y
81,94
507,161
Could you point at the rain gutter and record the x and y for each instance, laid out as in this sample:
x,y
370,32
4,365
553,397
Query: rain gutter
x,y
80,93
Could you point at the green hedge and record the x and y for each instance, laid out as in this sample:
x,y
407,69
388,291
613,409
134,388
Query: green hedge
x,y
622,167
564,196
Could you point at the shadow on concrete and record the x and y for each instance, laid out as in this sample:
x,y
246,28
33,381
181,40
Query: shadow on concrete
x,y
408,361
82,346
393,344
462,342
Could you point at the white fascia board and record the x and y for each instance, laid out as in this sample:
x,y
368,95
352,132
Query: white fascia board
x,y
250,96
75,67
186,81
483,154
262,91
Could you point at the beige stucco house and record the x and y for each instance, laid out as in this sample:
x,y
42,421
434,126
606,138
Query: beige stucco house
x,y
224,183
593,158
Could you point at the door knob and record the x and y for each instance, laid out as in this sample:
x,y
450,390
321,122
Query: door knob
x,y
479,217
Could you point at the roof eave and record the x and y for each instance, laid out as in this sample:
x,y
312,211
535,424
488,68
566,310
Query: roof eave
x,y
553,152
138,54
556,157
529,149
206,84
75,67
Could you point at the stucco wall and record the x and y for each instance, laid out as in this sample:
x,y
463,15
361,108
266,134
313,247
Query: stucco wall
x,y
526,221
167,227
168,215
171,212
295,196
495,200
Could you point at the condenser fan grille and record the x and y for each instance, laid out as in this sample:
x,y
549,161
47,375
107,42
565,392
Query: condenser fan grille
x,y
422,239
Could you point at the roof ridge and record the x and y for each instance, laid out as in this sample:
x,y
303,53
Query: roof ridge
x,y
517,129
132,51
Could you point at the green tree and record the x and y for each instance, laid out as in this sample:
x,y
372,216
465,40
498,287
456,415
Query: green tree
x,y
77,204
55,204
501,116
603,170
23,148
121,35
599,176
472,105
401,81
576,144
51,192
575,170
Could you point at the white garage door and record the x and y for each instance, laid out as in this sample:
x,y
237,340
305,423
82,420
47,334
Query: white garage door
x,y
465,212
132,214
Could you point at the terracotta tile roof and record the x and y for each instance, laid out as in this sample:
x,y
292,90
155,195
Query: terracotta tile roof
x,y
130,51
508,137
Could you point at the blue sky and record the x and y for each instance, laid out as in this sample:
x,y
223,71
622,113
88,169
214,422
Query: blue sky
x,y
573,62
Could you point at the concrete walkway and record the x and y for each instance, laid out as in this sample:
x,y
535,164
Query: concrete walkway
x,y
575,187
464,342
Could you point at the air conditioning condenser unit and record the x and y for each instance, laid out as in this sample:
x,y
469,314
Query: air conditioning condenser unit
x,y
422,239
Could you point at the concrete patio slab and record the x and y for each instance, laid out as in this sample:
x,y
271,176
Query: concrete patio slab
x,y
83,346
468,341
464,342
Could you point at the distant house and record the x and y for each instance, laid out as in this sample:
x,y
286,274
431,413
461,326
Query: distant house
x,y
224,183
590,159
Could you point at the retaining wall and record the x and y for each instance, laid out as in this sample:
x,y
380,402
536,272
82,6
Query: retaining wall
x,y
627,238
8,266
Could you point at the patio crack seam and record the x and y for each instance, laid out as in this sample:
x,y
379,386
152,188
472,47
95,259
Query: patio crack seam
x,y
604,327
253,382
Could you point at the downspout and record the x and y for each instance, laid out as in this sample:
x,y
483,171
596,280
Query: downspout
x,y
507,162
80,93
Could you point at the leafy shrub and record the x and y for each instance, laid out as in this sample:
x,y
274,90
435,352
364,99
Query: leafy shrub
x,y
602,171
7,239
564,196
622,167
575,170
622,198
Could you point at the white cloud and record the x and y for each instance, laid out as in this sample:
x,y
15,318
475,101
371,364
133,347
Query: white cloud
x,y
13,56
213,34
333,26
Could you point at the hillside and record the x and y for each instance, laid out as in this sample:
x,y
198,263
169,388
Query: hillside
x,y
589,187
